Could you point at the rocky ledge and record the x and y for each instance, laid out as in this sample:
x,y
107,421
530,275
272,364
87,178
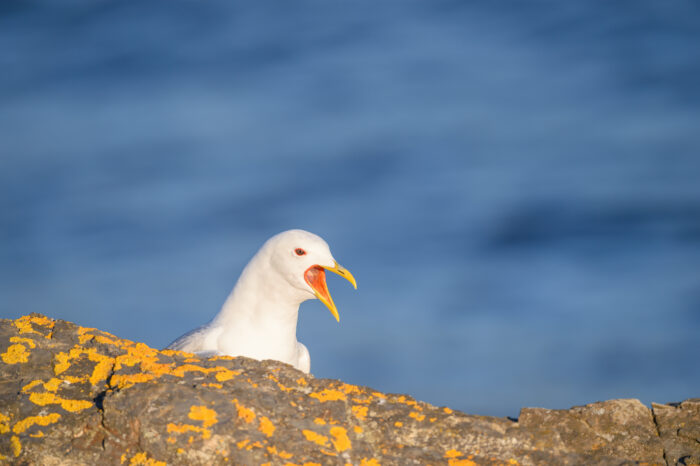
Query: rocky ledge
x,y
76,395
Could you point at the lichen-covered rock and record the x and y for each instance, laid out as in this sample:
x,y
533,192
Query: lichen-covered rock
x,y
75,395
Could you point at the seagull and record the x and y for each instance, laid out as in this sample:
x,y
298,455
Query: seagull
x,y
259,317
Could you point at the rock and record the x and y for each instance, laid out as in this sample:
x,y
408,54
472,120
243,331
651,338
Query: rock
x,y
75,395
679,428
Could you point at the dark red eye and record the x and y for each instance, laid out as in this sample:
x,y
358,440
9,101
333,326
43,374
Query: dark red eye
x,y
299,252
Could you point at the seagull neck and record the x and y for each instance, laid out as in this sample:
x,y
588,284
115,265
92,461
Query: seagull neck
x,y
259,308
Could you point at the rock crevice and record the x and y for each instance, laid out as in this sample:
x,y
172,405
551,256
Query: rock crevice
x,y
76,395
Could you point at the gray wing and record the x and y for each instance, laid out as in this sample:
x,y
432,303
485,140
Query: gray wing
x,y
191,342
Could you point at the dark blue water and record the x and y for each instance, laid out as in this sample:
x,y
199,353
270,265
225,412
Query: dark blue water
x,y
516,186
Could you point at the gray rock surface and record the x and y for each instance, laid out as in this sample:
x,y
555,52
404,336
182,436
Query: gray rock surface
x,y
75,395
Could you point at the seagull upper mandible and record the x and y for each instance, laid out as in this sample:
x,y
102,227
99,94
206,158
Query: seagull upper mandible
x,y
259,318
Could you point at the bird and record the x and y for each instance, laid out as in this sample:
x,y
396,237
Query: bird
x,y
259,318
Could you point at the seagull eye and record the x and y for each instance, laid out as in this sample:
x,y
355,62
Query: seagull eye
x,y
299,252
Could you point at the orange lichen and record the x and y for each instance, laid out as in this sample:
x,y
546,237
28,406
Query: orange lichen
x,y
447,410
248,415
43,399
453,453
328,394
242,444
360,412
458,462
4,423
340,440
302,381
226,374
15,354
26,423
369,462
204,414
183,428
16,445
357,429
38,434
315,437
398,424
319,421
416,416
25,341
266,426
281,453
24,324
142,458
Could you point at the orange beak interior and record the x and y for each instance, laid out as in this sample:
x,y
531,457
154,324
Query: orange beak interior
x,y
315,276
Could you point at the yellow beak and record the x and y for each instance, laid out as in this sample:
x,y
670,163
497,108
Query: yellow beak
x,y
316,278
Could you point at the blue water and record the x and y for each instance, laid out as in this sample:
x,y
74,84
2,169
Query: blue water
x,y
515,186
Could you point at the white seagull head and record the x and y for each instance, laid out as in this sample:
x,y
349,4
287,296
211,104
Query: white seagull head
x,y
301,259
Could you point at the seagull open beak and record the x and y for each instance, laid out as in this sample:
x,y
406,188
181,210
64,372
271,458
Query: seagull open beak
x,y
315,276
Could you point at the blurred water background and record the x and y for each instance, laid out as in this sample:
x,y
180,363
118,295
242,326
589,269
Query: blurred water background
x,y
515,185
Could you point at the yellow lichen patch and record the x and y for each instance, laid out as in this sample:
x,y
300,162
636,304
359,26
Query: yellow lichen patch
x,y
31,385
398,424
458,462
25,341
357,429
348,389
242,444
360,412
4,423
183,428
214,385
123,381
315,437
453,453
102,369
204,414
15,354
447,410
432,419
308,463
266,426
319,421
328,394
340,440
26,423
302,381
16,446
142,458
282,387
43,399
379,395
282,454
513,461
53,384
369,462
416,416
24,324
224,374
255,444
38,434
244,413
